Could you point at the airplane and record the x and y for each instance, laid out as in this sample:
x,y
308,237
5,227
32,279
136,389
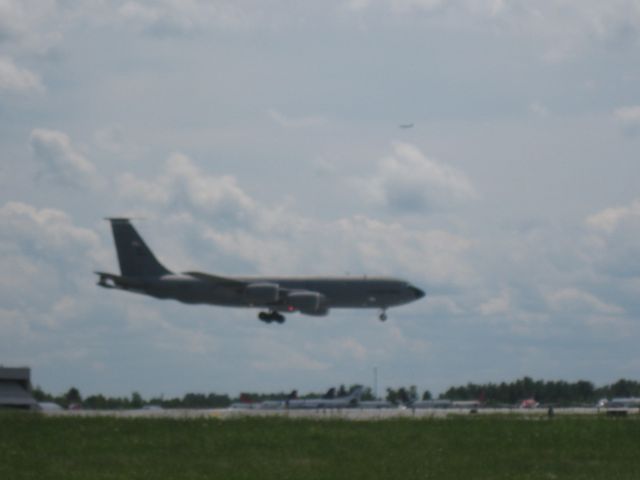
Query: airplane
x,y
406,126
277,404
434,403
620,402
376,404
328,401
141,272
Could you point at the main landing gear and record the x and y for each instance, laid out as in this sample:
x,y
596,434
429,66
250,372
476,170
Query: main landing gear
x,y
383,315
272,316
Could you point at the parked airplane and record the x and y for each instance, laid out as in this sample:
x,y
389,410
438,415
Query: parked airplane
x,y
435,403
445,403
622,402
376,404
328,401
142,273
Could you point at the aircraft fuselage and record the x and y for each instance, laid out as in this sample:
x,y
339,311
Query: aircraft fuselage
x,y
340,292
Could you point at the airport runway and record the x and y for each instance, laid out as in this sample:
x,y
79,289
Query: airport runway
x,y
345,414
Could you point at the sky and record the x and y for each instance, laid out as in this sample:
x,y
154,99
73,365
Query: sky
x,y
262,137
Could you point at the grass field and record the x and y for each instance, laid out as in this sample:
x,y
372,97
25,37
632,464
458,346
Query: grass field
x,y
470,447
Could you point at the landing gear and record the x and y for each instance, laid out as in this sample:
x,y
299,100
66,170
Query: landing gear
x,y
272,316
383,315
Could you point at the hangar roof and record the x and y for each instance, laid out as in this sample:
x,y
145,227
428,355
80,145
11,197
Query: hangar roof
x,y
13,394
15,388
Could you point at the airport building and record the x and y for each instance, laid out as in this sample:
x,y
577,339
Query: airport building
x,y
15,389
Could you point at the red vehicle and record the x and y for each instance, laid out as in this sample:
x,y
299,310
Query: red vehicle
x,y
529,403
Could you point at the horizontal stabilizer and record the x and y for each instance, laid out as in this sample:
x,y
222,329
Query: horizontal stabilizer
x,y
110,280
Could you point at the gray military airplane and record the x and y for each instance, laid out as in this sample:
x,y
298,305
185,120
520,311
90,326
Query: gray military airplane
x,y
142,273
328,401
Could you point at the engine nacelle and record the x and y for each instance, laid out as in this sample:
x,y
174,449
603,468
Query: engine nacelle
x,y
262,293
310,303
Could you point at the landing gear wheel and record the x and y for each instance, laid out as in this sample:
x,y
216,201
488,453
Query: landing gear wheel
x,y
383,316
269,317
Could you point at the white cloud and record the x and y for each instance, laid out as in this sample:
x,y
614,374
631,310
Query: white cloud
x,y
539,109
609,219
357,5
113,139
269,354
563,29
170,17
163,334
347,349
573,300
46,259
442,306
629,118
60,161
16,79
182,184
29,24
499,305
407,344
407,6
628,114
236,231
48,232
383,247
411,182
613,245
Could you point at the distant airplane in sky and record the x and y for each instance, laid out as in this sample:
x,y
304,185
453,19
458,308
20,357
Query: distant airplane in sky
x,y
406,125
142,273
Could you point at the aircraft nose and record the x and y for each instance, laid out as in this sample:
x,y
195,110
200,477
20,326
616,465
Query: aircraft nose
x,y
417,292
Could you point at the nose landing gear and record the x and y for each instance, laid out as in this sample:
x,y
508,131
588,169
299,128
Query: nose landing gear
x,y
272,316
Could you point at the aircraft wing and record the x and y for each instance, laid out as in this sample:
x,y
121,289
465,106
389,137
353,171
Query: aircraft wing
x,y
240,284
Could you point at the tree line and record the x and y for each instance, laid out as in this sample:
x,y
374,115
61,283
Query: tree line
x,y
557,392
505,393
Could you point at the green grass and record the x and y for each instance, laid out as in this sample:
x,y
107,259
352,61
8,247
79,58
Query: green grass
x,y
480,447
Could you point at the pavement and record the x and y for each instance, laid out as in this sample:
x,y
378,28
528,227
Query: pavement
x,y
346,413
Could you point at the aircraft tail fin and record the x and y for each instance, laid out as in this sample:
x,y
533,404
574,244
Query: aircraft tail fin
x,y
356,393
135,258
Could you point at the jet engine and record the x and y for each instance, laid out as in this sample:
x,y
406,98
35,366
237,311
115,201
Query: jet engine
x,y
309,303
262,293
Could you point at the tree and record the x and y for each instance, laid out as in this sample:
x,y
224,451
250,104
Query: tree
x,y
73,396
41,396
136,400
625,388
